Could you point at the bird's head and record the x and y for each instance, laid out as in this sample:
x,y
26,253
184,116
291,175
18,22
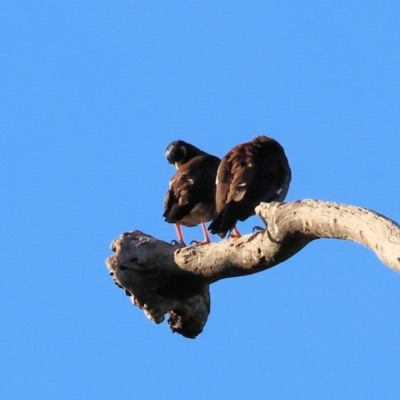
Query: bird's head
x,y
180,152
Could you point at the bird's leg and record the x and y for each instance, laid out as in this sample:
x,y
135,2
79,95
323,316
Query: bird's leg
x,y
235,233
206,236
179,234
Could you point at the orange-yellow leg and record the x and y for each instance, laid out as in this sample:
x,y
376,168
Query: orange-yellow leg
x,y
206,236
235,233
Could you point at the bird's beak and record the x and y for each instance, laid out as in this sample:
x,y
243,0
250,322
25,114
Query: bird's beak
x,y
177,165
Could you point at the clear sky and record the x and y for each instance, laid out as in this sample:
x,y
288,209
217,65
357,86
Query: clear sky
x,y
92,92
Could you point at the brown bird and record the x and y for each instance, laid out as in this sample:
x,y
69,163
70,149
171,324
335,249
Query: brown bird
x,y
190,199
251,173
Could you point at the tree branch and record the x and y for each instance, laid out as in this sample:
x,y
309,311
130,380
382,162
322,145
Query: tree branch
x,y
162,278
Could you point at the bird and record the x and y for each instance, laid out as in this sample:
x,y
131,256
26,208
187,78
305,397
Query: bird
x,y
190,199
250,173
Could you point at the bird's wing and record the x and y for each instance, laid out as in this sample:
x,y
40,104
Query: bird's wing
x,y
239,172
194,183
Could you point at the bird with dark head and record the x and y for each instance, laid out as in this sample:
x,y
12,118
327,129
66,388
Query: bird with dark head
x,y
251,173
179,152
190,199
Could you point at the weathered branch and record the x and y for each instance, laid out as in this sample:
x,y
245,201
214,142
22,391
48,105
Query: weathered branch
x,y
163,278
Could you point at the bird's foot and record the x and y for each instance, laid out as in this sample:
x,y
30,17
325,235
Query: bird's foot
x,y
199,242
235,234
177,243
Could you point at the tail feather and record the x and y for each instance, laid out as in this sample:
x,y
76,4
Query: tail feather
x,y
176,212
223,223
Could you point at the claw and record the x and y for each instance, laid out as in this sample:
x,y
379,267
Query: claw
x,y
206,237
176,243
235,233
199,243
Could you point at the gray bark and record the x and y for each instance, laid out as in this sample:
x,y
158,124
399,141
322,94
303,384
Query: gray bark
x,y
162,278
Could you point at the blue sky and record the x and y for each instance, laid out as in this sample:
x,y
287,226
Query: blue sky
x,y
92,93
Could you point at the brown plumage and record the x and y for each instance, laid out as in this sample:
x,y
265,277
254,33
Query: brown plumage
x,y
251,173
190,199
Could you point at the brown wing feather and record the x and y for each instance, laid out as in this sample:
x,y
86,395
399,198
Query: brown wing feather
x,y
249,174
191,196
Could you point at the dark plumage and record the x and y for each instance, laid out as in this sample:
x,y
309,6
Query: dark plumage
x,y
251,173
190,199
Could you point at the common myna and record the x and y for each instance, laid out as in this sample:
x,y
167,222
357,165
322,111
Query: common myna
x,y
190,199
251,173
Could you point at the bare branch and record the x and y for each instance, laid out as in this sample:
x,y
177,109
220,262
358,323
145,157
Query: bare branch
x,y
162,278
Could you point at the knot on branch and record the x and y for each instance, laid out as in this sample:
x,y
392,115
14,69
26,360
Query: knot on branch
x,y
144,267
